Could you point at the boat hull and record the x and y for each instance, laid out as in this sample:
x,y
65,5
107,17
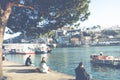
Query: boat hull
x,y
15,52
42,52
25,52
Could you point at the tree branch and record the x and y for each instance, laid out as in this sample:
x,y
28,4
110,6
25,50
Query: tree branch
x,y
21,5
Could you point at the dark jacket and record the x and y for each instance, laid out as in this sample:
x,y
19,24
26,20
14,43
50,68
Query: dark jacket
x,y
81,74
28,61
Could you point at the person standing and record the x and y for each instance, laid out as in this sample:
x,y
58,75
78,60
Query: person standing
x,y
28,61
3,57
80,72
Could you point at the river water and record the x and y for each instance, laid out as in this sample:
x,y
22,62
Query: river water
x,y
65,60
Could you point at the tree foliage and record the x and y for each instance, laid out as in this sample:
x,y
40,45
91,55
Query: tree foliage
x,y
109,32
42,16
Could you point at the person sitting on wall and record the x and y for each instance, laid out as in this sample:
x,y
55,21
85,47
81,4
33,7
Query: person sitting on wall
x,y
28,61
81,73
43,66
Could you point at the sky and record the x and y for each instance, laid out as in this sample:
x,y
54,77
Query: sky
x,y
105,13
7,34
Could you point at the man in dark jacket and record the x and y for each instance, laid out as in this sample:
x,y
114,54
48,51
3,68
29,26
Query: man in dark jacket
x,y
28,61
80,72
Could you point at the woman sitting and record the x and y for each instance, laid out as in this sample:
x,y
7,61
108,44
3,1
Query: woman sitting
x,y
43,66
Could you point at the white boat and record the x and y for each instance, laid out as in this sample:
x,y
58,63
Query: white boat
x,y
104,60
43,49
21,48
26,48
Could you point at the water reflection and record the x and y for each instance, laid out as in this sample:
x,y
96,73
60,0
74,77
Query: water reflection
x,y
98,68
105,73
67,59
36,58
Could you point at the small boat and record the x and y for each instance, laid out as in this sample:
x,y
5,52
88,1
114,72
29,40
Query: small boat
x,y
102,60
43,49
20,48
42,52
26,48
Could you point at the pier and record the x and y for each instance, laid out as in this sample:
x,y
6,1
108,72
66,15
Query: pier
x,y
16,71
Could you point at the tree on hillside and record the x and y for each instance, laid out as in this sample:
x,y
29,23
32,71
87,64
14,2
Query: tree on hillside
x,y
109,32
39,16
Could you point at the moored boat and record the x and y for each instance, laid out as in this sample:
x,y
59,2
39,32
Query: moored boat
x,y
21,48
102,60
26,48
44,48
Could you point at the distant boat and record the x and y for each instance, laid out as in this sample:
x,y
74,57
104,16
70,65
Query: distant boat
x,y
102,60
25,48
44,48
20,48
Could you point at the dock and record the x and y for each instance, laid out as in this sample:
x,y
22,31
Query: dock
x,y
16,71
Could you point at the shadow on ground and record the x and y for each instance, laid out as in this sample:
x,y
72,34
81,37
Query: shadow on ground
x,y
13,66
22,70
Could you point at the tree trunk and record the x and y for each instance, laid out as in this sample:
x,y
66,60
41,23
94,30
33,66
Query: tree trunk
x,y
4,16
1,41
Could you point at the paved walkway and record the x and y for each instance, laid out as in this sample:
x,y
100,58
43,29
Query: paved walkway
x,y
16,71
